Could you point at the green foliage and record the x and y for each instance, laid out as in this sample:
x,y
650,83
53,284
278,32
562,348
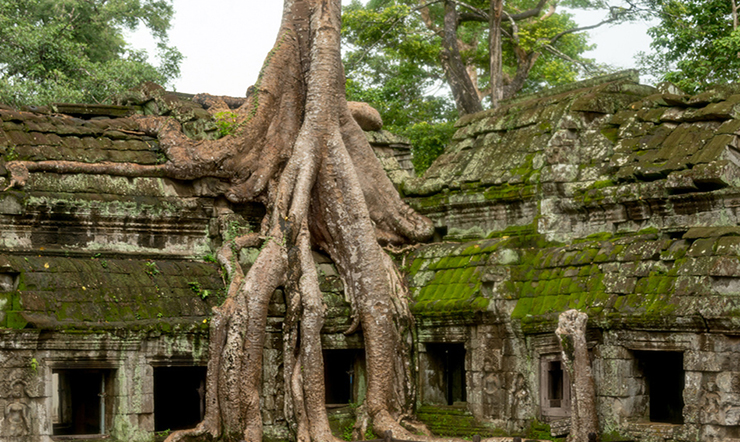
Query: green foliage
x,y
392,62
226,122
541,431
347,432
235,229
195,287
74,50
428,141
152,269
11,154
695,43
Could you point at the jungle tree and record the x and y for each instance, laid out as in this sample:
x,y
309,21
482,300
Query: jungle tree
x,y
75,51
695,43
483,49
298,151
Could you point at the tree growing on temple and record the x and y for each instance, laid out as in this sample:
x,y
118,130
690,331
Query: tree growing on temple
x,y
297,150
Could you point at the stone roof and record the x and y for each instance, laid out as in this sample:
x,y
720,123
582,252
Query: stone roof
x,y
608,196
101,292
86,251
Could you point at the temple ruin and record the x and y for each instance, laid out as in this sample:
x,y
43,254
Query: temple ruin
x,y
617,199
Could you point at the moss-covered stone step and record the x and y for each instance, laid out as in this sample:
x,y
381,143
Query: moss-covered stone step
x,y
453,420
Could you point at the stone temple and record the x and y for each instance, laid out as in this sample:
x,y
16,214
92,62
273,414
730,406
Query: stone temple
x,y
614,198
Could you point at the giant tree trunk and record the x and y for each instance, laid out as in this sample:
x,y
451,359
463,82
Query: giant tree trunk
x,y
463,90
584,422
495,47
298,151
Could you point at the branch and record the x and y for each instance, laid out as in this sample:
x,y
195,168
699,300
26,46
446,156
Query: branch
x,y
393,25
480,15
588,67
616,14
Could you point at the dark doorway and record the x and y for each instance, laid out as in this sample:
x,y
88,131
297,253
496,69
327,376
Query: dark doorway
x,y
80,401
664,383
179,397
450,359
555,383
341,373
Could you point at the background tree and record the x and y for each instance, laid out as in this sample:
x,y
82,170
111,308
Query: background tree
x,y
431,49
392,63
74,50
696,43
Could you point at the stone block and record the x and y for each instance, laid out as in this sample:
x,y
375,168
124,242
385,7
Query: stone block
x,y
724,266
73,142
91,143
146,422
701,361
147,403
618,283
615,378
11,204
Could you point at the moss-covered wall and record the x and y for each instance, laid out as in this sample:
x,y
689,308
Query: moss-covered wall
x,y
610,197
607,196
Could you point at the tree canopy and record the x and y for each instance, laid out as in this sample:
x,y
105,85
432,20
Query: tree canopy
x,y
696,43
406,56
74,50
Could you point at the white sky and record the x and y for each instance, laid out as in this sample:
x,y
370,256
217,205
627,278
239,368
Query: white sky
x,y
225,42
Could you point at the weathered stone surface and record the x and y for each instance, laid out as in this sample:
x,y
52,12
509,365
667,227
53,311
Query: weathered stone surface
x,y
612,198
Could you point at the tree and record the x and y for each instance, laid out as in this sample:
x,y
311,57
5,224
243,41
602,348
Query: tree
x,y
402,53
526,44
695,44
74,50
298,151
400,78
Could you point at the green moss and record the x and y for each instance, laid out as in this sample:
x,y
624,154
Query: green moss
x,y
648,231
523,308
454,421
540,431
15,320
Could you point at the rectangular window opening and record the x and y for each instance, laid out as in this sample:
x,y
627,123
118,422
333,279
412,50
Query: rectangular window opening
x,y
342,369
81,402
664,379
555,383
179,397
448,360
554,387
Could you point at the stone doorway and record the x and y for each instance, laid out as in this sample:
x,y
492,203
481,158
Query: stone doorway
x,y
343,372
81,402
664,379
179,397
444,368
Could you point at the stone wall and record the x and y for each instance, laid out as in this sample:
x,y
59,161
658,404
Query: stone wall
x,y
612,198
607,196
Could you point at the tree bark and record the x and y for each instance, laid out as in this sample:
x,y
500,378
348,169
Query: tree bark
x,y
571,331
495,48
463,90
298,151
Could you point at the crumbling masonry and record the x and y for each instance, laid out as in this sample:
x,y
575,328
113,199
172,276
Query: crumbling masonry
x,y
613,198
